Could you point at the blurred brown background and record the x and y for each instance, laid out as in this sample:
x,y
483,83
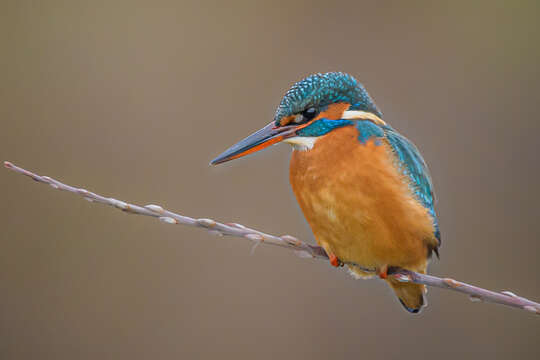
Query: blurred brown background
x,y
132,100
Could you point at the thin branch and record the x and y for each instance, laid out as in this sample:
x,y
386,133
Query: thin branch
x,y
301,248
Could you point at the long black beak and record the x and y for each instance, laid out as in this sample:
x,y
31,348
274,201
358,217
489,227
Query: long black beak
x,y
268,135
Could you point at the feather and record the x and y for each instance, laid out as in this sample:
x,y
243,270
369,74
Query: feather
x,y
412,164
409,161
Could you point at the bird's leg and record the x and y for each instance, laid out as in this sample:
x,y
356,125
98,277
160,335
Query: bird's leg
x,y
383,272
334,261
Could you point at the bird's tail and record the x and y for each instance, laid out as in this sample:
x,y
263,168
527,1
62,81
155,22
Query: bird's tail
x,y
411,296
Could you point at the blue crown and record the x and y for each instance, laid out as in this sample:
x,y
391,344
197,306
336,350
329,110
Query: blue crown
x,y
321,90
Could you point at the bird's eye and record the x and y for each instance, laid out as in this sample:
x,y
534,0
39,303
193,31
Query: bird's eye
x,y
306,115
310,113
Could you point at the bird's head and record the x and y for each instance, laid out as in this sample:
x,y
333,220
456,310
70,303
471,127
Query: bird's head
x,y
311,108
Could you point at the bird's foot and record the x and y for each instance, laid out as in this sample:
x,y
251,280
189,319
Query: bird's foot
x,y
383,272
334,261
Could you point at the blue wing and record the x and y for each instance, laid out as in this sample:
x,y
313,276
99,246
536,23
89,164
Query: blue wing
x,y
412,164
409,161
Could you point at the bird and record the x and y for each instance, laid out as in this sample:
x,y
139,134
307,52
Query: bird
x,y
364,189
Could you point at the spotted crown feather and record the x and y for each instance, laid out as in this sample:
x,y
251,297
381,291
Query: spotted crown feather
x,y
320,90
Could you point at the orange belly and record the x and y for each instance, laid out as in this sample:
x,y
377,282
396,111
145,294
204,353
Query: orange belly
x,y
359,205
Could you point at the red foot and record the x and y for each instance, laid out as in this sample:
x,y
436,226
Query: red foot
x,y
383,272
334,261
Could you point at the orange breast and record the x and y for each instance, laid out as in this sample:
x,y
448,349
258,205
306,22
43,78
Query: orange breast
x,y
359,206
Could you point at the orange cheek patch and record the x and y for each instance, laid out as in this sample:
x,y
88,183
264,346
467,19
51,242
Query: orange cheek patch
x,y
286,120
334,111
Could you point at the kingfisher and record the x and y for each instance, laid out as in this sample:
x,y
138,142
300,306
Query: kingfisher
x,y
364,188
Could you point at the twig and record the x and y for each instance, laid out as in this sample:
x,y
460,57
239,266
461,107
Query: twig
x,y
301,248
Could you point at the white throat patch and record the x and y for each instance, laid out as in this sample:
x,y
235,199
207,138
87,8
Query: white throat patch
x,y
302,143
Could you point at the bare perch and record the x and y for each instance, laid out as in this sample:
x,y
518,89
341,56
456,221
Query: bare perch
x,y
286,241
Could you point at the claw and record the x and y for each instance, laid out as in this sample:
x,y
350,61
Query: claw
x,y
383,272
334,261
